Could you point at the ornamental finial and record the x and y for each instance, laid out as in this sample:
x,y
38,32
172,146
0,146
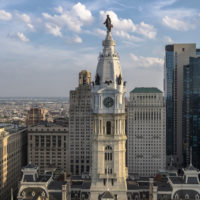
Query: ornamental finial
x,y
108,24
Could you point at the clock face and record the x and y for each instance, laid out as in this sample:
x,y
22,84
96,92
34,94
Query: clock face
x,y
108,102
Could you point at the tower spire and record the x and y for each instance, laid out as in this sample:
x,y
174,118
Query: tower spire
x,y
108,68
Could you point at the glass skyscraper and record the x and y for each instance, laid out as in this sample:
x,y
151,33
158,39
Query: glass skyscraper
x,y
168,84
191,111
176,57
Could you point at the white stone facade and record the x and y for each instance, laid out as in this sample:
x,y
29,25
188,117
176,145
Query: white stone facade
x,y
146,132
109,139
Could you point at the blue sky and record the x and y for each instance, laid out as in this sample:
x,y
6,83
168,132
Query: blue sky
x,y
45,44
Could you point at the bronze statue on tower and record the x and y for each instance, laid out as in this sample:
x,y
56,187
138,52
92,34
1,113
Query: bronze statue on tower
x,y
108,24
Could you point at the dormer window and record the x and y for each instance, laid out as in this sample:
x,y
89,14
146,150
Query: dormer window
x,y
33,193
186,196
176,196
43,194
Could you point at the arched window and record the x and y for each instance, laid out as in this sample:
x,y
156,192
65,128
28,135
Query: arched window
x,y
108,153
108,128
186,196
108,148
176,196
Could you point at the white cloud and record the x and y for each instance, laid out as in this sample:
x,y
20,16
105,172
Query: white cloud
x,y
168,39
35,64
47,16
22,37
54,29
177,24
177,18
146,30
77,39
124,26
73,19
162,4
24,17
146,62
121,24
100,32
59,9
5,15
63,20
31,27
161,9
81,11
126,35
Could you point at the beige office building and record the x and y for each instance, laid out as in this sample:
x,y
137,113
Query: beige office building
x,y
80,125
13,145
48,146
146,132
36,115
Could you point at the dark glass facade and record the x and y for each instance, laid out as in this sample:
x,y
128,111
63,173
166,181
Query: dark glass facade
x,y
191,111
168,88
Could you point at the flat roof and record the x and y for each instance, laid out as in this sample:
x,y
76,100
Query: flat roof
x,y
146,90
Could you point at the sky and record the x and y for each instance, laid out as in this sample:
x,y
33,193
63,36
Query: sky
x,y
45,44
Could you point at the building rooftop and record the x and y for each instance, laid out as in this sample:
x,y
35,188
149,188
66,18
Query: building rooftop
x,y
177,180
146,90
163,186
56,185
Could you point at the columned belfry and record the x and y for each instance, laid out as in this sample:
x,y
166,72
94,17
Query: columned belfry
x,y
109,170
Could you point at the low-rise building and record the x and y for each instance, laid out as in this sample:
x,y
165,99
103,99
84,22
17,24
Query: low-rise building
x,y
166,185
49,186
48,145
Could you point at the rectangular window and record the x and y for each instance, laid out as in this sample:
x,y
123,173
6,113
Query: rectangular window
x,y
59,141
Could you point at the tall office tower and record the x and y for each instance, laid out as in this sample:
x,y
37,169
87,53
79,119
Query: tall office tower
x,y
36,115
48,145
109,170
191,111
13,148
80,125
146,131
176,56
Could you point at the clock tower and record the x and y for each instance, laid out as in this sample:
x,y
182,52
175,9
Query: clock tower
x,y
109,170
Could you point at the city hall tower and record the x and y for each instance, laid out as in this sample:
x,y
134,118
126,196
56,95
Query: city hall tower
x,y
109,170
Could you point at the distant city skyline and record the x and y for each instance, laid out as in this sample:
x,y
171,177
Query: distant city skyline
x,y
44,45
